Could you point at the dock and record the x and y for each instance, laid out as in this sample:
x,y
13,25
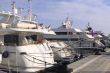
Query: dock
x,y
92,64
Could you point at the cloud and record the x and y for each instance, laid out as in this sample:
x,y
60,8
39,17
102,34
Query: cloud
x,y
83,11
80,11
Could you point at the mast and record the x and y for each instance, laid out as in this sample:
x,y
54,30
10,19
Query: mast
x,y
88,24
67,23
30,10
21,10
14,10
89,28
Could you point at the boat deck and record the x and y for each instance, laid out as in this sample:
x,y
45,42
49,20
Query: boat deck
x,y
92,64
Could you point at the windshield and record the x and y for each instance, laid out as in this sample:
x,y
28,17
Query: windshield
x,y
8,19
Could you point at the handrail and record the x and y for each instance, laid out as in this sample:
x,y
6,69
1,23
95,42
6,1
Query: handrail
x,y
39,60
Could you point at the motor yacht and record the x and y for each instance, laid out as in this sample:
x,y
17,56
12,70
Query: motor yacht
x,y
22,46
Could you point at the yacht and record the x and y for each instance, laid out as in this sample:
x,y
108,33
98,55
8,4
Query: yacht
x,y
101,40
62,51
81,41
22,46
65,32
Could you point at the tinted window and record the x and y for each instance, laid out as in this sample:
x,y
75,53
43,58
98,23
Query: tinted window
x,y
64,33
11,40
34,37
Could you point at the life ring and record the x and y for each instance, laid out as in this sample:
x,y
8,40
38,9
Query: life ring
x,y
5,54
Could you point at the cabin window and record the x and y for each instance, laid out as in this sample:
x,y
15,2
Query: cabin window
x,y
64,33
31,39
61,33
70,33
78,33
34,37
11,40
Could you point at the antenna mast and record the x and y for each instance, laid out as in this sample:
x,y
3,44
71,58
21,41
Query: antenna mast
x,y
30,10
13,8
21,10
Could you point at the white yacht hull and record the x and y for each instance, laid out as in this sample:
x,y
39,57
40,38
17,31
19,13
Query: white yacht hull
x,y
30,58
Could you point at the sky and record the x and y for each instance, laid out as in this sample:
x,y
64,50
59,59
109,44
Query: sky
x,y
54,12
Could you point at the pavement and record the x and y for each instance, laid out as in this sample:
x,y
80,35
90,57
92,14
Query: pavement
x,y
92,64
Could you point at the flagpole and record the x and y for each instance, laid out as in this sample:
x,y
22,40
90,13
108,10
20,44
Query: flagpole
x,y
30,10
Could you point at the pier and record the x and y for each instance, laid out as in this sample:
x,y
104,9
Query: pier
x,y
92,64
